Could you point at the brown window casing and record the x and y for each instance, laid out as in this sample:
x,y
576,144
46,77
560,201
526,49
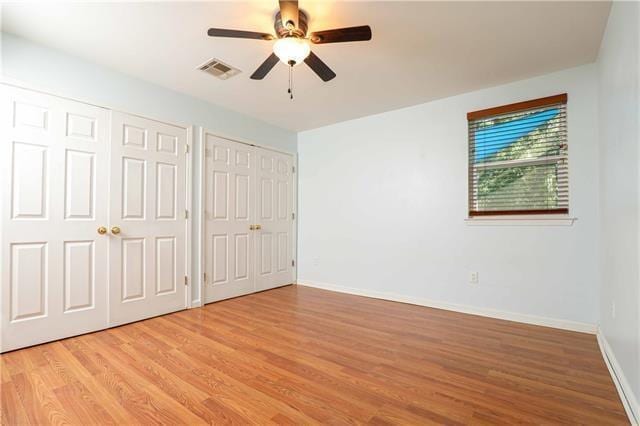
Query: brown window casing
x,y
508,109
518,106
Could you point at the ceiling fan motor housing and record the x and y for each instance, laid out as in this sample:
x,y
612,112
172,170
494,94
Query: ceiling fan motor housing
x,y
283,31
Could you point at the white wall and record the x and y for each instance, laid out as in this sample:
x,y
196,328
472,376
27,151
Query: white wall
x,y
619,188
383,202
58,73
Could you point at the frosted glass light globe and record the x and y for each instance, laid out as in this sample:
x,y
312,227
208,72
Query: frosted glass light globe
x,y
291,49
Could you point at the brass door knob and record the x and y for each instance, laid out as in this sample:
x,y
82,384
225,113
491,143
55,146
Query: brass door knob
x,y
102,230
252,227
258,226
115,230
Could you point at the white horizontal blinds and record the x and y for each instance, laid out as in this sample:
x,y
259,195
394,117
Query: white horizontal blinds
x,y
518,161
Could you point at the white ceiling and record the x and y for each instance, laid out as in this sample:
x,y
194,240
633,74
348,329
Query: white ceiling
x,y
420,51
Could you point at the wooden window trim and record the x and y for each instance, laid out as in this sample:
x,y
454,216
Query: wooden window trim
x,y
508,109
518,106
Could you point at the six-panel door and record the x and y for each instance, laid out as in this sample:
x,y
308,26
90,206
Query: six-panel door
x,y
274,248
229,217
54,156
248,218
147,211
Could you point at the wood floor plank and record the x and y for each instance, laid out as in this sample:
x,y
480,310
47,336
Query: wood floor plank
x,y
40,404
12,412
297,355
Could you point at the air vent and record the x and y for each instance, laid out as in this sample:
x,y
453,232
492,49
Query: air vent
x,y
219,69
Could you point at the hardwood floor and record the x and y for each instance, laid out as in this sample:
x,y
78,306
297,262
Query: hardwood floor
x,y
301,355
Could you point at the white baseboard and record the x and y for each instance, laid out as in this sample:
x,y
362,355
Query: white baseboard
x,y
628,398
485,312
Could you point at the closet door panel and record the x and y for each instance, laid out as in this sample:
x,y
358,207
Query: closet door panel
x,y
274,251
147,218
229,216
54,156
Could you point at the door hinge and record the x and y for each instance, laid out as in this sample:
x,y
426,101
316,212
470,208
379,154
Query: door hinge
x,y
186,214
186,280
293,216
186,149
204,277
293,169
293,263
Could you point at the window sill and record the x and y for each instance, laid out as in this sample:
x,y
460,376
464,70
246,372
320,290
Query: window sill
x,y
520,221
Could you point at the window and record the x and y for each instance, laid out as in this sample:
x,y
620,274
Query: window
x,y
518,160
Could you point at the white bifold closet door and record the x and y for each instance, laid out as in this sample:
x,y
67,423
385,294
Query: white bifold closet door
x,y
69,169
54,161
248,218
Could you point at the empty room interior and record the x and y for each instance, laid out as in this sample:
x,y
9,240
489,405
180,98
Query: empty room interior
x,y
320,212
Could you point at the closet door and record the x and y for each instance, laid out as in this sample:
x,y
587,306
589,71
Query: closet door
x,y
229,218
54,166
147,218
274,245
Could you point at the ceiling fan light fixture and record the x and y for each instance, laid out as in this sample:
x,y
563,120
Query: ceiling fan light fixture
x,y
291,50
293,44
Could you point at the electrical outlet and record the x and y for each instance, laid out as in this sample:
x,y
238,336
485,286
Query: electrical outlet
x,y
613,310
473,278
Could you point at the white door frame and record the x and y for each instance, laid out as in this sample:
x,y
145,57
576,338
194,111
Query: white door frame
x,y
199,280
189,167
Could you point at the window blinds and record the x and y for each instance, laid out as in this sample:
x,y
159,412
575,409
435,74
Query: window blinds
x,y
518,160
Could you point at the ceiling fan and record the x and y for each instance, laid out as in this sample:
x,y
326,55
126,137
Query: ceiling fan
x,y
292,45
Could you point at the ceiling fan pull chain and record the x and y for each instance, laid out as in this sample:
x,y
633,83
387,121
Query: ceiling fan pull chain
x,y
290,91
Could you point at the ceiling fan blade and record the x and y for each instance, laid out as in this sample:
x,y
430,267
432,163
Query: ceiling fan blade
x,y
319,67
289,12
266,66
220,32
340,35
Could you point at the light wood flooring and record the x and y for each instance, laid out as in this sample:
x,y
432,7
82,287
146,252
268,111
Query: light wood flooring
x,y
297,355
